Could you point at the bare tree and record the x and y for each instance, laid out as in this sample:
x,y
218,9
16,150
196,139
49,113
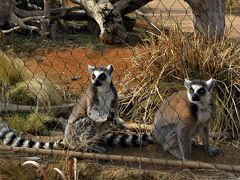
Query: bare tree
x,y
209,18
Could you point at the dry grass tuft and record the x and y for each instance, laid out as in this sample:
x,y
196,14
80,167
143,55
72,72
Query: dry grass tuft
x,y
98,171
13,169
200,174
167,60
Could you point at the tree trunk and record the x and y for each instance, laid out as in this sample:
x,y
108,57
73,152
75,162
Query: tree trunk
x,y
209,18
105,16
108,17
4,12
45,20
111,29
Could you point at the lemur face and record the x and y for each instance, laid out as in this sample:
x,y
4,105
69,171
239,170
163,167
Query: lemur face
x,y
101,75
199,91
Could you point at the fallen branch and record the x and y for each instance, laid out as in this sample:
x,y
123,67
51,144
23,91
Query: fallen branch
x,y
108,17
16,20
147,19
127,6
130,159
46,18
31,18
15,108
24,13
10,30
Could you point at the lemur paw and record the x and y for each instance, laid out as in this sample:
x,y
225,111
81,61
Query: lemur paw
x,y
214,150
115,120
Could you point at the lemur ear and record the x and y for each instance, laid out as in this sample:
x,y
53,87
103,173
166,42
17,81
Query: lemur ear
x,y
90,68
210,84
187,83
110,69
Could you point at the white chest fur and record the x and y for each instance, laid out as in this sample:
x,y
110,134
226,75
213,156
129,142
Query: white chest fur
x,y
205,112
104,101
204,115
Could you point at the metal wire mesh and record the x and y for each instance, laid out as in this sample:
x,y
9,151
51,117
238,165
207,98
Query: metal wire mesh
x,y
42,80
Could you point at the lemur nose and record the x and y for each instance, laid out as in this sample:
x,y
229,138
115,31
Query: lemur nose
x,y
195,97
97,83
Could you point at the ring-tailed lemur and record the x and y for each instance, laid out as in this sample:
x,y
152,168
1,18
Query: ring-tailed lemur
x,y
182,116
90,121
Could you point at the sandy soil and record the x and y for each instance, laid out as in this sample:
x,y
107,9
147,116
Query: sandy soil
x,y
170,13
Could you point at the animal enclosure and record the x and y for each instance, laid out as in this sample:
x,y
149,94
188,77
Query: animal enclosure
x,y
43,76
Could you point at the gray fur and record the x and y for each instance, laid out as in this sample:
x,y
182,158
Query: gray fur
x,y
90,115
184,115
96,115
91,122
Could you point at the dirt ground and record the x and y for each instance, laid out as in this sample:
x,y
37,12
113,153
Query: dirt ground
x,y
231,154
63,66
68,68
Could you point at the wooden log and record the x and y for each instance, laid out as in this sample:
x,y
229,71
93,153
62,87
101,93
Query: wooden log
x,y
130,159
8,15
45,20
108,17
15,108
4,12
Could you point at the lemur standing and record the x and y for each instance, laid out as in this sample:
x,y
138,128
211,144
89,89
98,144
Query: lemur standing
x,y
182,116
90,121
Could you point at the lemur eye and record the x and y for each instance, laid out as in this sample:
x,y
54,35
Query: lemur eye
x,y
201,91
191,90
93,76
102,76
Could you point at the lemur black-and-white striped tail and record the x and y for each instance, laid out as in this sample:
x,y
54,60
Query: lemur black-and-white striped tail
x,y
10,137
126,140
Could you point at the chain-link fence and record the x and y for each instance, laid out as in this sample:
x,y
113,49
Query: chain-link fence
x,y
58,103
